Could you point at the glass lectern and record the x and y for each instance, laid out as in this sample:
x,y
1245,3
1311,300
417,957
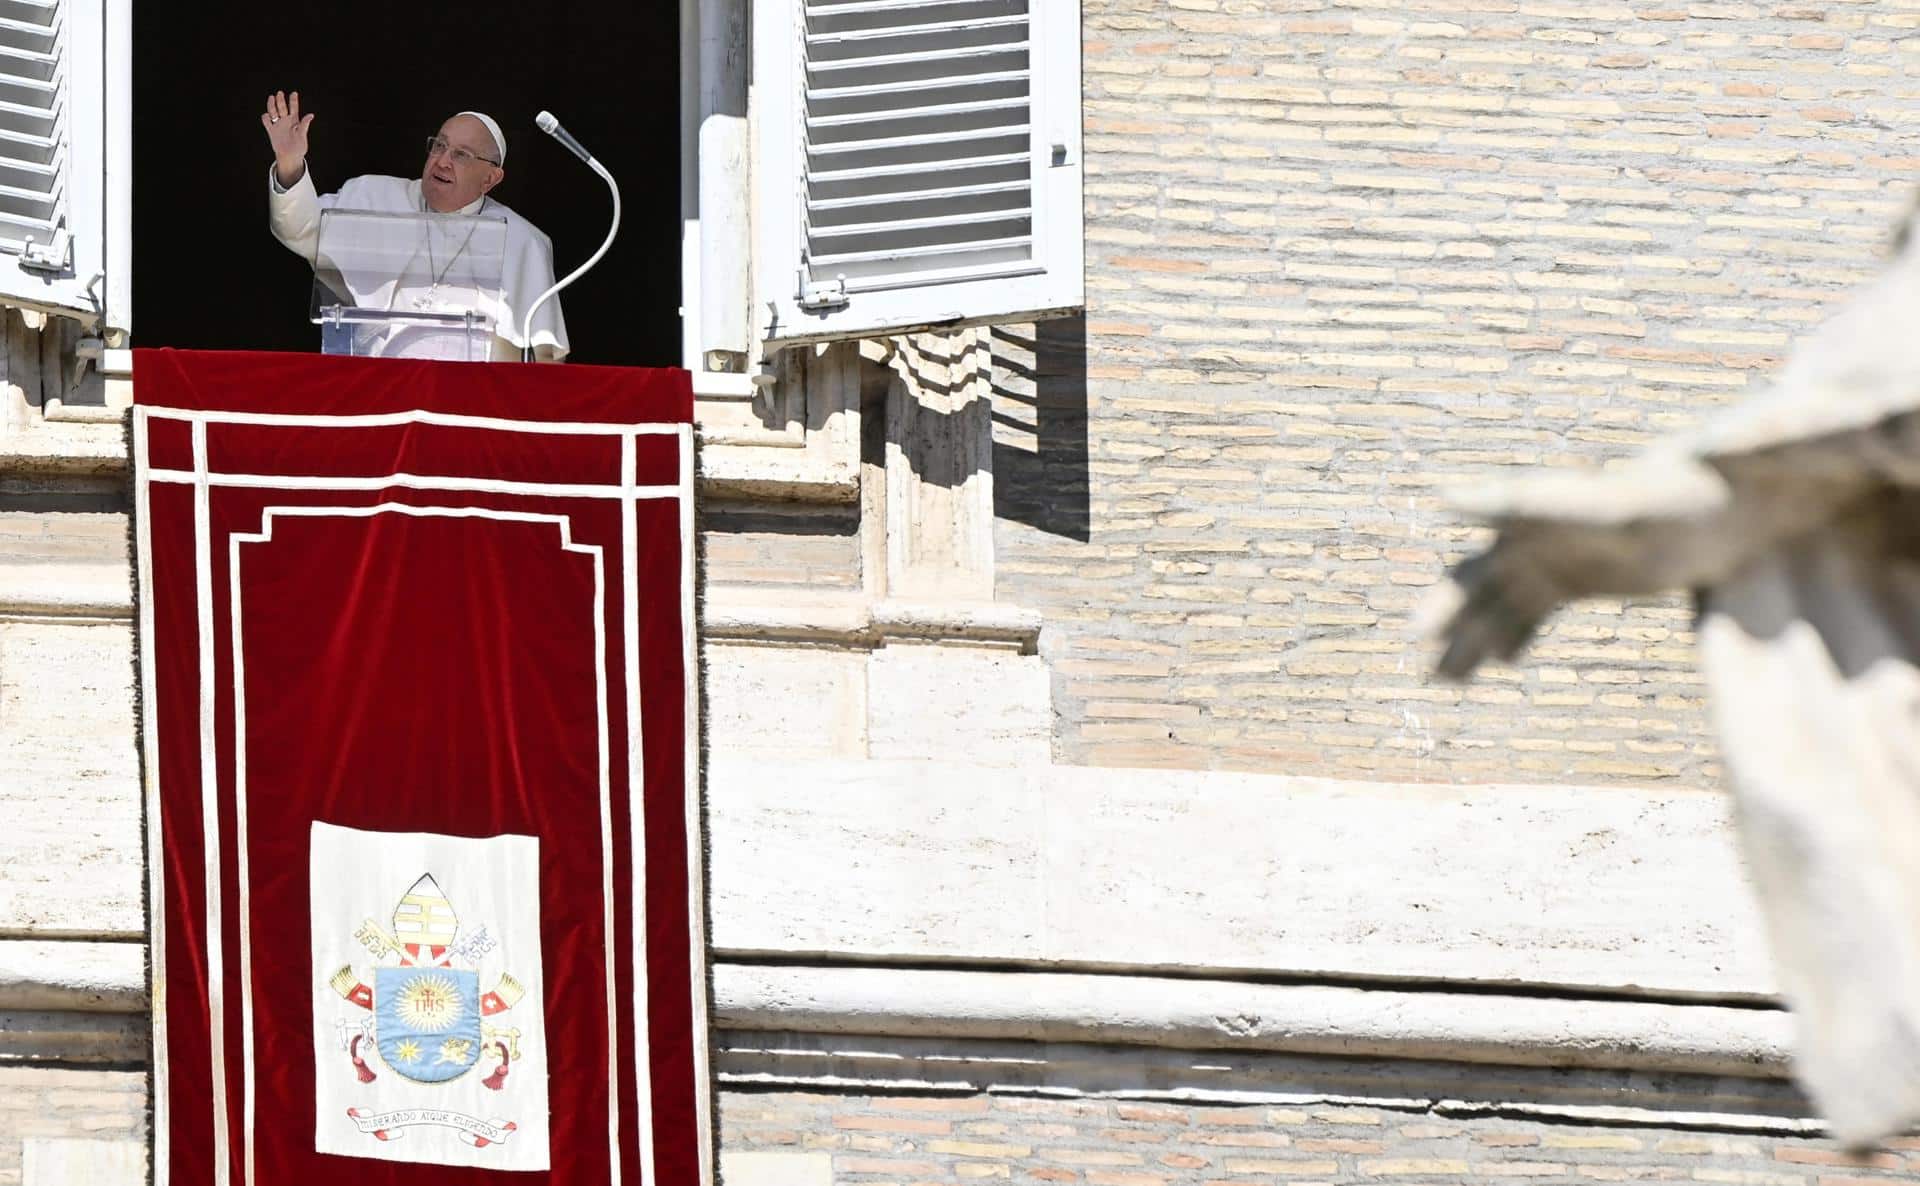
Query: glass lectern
x,y
409,285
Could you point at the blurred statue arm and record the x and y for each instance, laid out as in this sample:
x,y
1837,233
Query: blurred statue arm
x,y
1841,418
1667,521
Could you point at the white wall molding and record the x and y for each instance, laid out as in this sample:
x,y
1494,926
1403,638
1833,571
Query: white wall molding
x,y
796,1061
1199,1015
72,976
82,994
65,450
732,614
53,589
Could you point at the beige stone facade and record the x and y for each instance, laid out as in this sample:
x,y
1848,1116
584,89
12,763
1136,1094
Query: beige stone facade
x,y
1340,256
1116,1143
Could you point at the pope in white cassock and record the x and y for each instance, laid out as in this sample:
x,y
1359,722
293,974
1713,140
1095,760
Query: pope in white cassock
x,y
464,161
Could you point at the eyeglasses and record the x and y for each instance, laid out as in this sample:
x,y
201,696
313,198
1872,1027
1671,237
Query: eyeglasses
x,y
460,156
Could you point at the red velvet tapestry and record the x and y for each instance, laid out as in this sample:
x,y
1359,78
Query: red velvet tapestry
x,y
420,736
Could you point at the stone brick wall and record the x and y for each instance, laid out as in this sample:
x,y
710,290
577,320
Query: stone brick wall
x,y
769,543
883,1140
49,1102
911,1141
1343,253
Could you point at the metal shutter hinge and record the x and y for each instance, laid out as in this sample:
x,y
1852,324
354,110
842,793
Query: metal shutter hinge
x,y
822,294
56,256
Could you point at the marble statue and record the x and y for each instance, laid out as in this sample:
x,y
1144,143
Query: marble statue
x,y
1795,520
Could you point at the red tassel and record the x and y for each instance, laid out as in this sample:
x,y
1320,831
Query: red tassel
x,y
359,1064
499,1076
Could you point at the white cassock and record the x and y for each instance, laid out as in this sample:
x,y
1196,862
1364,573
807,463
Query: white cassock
x,y
527,270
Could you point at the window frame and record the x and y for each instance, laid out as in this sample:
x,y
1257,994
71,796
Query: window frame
x,y
1056,287
94,283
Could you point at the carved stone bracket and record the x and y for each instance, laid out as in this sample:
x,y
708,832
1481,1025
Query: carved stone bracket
x,y
934,498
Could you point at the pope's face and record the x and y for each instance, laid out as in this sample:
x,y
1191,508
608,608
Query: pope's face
x,y
460,174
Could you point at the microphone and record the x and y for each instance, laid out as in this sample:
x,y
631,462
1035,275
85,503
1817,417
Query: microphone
x,y
551,126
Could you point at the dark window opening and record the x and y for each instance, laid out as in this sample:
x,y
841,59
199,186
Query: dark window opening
x,y
380,78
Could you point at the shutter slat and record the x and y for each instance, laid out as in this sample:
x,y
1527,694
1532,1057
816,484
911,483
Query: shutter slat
x,y
33,123
12,30
816,12
27,149
20,194
828,262
930,141
931,161
936,111
27,63
875,277
14,233
913,168
42,90
940,56
911,16
27,174
907,215
954,192
898,226
928,29
912,85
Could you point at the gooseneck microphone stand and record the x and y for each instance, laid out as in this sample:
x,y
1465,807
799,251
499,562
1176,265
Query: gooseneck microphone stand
x,y
551,126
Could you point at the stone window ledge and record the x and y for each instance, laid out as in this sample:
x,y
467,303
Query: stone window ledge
x,y
760,614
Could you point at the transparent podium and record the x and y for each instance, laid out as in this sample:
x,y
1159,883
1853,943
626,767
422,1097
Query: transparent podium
x,y
409,285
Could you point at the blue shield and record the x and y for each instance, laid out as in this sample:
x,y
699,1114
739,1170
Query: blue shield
x,y
427,1021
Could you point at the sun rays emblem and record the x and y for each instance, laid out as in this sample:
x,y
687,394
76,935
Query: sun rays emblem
x,y
429,1004
425,1014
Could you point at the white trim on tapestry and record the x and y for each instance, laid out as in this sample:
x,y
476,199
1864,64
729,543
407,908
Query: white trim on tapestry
x,y
598,554
696,875
443,419
409,481
243,882
210,803
604,729
150,753
636,798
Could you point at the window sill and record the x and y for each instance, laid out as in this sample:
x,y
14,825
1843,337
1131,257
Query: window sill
x,y
849,620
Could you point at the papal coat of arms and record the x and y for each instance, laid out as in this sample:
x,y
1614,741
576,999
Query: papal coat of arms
x,y
424,1016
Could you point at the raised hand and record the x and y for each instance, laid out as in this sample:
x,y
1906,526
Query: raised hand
x,y
287,132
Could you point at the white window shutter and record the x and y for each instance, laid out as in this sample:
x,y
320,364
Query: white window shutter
x,y
916,164
59,228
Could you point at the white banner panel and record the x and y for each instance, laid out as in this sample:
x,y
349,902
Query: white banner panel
x,y
428,1030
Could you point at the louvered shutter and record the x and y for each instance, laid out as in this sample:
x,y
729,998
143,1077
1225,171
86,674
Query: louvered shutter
x,y
57,89
917,163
